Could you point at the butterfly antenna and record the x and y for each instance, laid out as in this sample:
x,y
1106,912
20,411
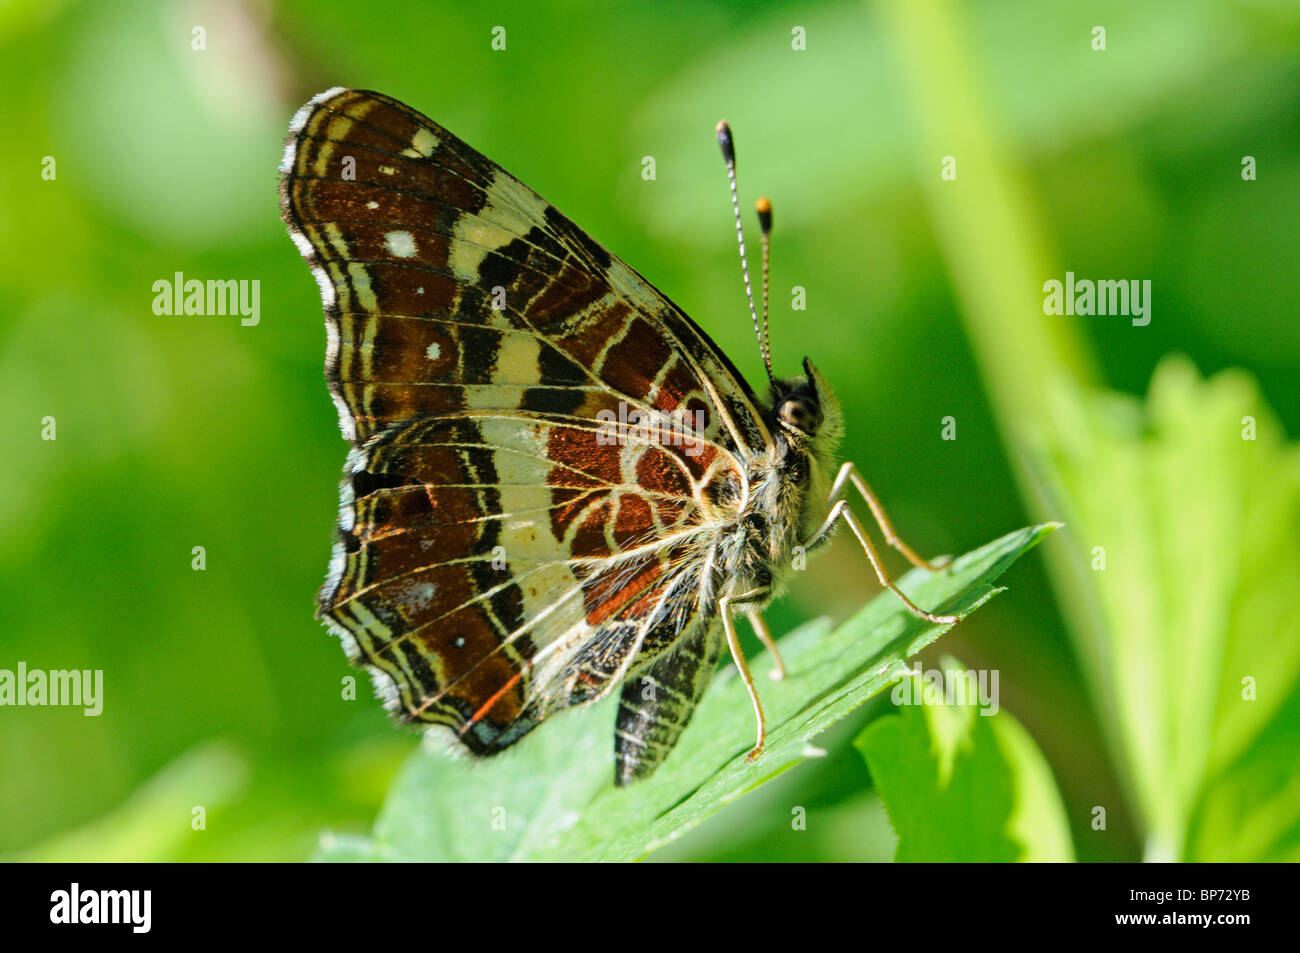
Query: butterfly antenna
x,y
729,156
764,208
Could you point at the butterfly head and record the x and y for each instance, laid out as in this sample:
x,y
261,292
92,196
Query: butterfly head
x,y
806,425
805,413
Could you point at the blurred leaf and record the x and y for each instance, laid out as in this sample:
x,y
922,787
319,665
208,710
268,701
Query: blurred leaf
x,y
961,781
552,797
154,824
1251,811
1190,530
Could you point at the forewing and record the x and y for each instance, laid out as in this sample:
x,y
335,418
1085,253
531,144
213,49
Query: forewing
x,y
448,284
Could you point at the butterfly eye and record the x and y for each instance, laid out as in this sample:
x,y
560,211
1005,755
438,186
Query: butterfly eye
x,y
799,414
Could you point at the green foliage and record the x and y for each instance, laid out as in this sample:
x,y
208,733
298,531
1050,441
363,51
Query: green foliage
x,y
552,797
155,822
183,431
963,782
1185,515
214,804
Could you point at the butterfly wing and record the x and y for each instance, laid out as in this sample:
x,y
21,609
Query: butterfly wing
x,y
400,219
498,557
655,707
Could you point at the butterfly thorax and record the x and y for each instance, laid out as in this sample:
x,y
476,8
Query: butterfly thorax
x,y
787,483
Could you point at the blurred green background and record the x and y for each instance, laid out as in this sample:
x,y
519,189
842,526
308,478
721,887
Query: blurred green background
x,y
924,300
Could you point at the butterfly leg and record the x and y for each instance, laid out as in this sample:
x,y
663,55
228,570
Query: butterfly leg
x,y
841,511
738,656
849,472
765,636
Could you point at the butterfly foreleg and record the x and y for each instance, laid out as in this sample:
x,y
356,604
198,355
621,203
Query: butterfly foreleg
x,y
849,473
841,511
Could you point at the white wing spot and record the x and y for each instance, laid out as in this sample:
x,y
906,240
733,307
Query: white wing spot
x,y
290,153
326,287
300,117
372,204
420,290
400,244
434,351
303,246
387,169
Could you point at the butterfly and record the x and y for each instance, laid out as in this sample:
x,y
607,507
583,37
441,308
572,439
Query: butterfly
x,y
558,486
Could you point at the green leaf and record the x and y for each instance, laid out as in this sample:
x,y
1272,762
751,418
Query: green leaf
x,y
963,782
552,797
1184,513
1251,812
155,823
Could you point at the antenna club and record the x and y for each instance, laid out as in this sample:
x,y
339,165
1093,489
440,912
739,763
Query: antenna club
x,y
764,209
726,142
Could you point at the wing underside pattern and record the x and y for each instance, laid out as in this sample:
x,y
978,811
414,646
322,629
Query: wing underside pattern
x,y
501,552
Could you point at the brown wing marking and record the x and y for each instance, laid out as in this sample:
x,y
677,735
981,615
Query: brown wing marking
x,y
422,594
